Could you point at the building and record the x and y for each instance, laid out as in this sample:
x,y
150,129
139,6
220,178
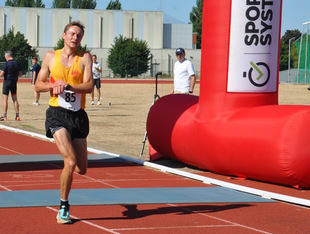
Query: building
x,y
43,27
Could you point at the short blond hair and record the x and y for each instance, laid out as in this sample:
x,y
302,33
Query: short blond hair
x,y
74,23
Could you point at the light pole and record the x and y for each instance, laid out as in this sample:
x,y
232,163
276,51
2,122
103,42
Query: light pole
x,y
289,58
306,56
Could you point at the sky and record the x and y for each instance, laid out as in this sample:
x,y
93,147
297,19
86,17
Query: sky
x,y
294,12
178,9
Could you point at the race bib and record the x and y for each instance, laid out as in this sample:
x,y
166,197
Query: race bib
x,y
70,100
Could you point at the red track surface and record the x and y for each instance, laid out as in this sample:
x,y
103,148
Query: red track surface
x,y
275,217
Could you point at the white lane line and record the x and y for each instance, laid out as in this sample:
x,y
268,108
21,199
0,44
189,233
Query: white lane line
x,y
173,227
87,222
13,151
87,177
222,220
5,188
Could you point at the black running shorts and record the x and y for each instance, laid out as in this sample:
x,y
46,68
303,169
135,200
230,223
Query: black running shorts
x,y
76,123
9,85
97,83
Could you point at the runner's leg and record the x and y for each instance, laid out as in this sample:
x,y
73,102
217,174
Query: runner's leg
x,y
80,147
63,141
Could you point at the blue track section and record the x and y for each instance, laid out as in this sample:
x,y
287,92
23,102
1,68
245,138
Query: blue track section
x,y
122,196
36,158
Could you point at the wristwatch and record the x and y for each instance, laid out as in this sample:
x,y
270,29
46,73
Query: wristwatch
x,y
68,87
190,91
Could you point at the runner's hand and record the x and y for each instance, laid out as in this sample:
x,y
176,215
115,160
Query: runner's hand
x,y
58,87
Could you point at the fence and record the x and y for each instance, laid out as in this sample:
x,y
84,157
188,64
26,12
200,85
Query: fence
x,y
303,46
165,66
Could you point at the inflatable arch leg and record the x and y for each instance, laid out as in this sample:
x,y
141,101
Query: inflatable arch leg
x,y
236,126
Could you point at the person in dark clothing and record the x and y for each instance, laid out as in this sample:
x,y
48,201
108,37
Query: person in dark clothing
x,y
35,71
11,71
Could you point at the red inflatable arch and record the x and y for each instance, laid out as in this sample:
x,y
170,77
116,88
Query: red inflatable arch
x,y
236,126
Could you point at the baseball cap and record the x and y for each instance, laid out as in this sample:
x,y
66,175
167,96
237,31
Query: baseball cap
x,y
180,51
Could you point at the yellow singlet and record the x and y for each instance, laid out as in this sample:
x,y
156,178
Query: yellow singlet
x,y
72,75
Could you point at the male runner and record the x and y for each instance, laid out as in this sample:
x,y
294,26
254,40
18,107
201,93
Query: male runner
x,y
70,72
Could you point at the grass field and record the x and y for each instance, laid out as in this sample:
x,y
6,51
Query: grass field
x,y
120,127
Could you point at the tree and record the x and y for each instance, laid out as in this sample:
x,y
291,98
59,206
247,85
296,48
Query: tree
x,y
84,4
19,47
284,50
61,4
60,45
128,57
196,19
289,34
38,3
76,4
114,5
25,3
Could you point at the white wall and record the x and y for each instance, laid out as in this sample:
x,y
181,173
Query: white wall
x,y
43,27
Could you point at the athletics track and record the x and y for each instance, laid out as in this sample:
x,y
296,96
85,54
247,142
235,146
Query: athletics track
x,y
125,195
118,195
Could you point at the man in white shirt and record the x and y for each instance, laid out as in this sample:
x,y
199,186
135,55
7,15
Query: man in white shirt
x,y
96,77
184,74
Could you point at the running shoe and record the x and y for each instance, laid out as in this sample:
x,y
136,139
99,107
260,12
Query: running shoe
x,y
36,104
92,102
2,118
99,103
17,118
63,216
